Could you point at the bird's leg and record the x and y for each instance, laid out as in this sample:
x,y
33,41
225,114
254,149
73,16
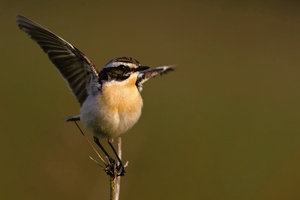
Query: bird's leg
x,y
120,167
111,161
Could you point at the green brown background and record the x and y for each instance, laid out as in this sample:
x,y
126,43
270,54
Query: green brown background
x,y
225,125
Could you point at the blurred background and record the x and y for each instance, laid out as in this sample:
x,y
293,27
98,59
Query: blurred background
x,y
225,125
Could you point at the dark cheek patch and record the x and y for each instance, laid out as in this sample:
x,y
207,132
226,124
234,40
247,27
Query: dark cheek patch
x,y
109,74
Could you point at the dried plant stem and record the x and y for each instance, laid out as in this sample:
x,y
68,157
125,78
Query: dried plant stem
x,y
112,171
115,180
89,142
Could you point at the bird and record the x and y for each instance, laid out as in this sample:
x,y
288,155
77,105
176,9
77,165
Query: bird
x,y
110,99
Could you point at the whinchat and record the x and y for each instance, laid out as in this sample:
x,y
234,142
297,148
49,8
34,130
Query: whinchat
x,y
110,99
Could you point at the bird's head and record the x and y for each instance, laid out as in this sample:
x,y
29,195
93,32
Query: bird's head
x,y
120,69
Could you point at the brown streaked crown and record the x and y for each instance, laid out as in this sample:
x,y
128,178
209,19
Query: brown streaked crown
x,y
125,60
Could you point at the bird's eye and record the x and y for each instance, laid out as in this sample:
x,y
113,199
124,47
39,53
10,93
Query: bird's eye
x,y
122,67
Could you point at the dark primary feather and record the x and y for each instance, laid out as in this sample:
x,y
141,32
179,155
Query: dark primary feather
x,y
146,75
74,66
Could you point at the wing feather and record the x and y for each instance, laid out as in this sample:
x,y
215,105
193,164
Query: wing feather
x,y
73,65
146,75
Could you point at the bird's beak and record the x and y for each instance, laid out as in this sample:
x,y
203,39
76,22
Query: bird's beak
x,y
141,68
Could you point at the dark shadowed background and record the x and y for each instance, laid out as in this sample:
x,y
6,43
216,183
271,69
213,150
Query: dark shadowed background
x,y
225,125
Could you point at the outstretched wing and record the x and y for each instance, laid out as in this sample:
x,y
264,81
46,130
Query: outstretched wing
x,y
146,75
73,65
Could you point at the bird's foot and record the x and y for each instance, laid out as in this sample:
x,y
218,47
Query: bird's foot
x,y
120,170
110,167
113,168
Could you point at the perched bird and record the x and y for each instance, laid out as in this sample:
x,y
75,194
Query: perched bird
x,y
110,99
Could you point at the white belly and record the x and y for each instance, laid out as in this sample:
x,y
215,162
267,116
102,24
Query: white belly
x,y
113,111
